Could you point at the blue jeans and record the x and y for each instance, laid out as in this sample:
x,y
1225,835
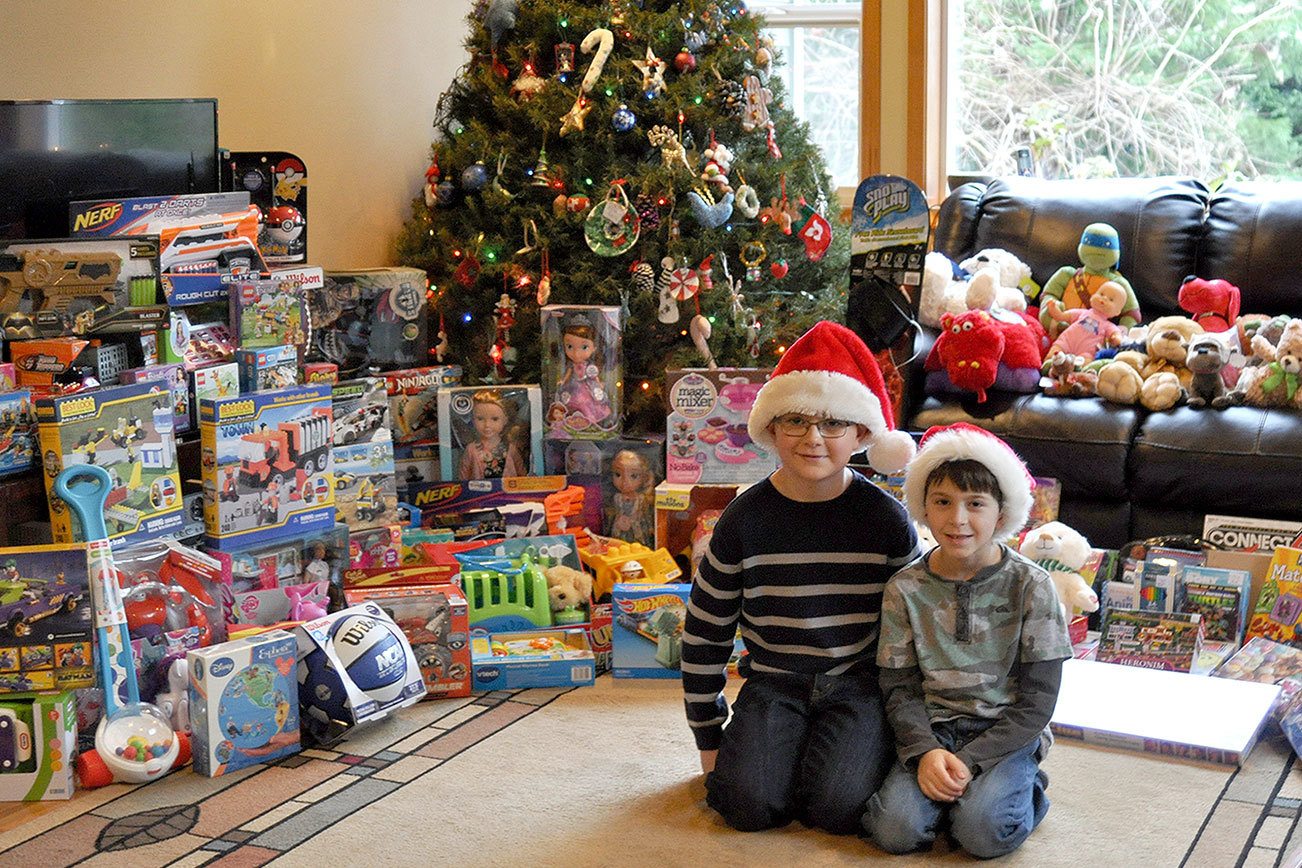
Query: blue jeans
x,y
806,747
1000,808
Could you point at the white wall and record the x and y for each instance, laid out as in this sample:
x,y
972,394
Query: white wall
x,y
348,86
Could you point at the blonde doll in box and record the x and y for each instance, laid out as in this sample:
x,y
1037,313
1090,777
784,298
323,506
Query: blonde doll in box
x,y
630,514
492,454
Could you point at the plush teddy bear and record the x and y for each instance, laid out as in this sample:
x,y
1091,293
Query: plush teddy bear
x,y
1207,355
567,588
1158,378
1013,273
1066,379
1274,383
949,288
1062,551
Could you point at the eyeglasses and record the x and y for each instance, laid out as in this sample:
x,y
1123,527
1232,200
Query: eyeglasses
x,y
797,426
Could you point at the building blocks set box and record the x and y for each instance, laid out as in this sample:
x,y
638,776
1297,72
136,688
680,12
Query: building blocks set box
x,y
266,465
413,401
127,430
45,619
17,432
366,490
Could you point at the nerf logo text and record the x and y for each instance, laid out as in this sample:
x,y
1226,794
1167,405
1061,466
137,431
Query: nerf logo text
x,y
100,215
437,494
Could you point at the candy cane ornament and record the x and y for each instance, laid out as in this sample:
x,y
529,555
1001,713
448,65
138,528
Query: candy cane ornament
x,y
604,41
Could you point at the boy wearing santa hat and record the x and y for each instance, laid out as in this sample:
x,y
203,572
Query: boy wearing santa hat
x,y
799,561
971,651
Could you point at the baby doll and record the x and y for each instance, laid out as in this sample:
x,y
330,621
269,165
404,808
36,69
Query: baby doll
x,y
631,511
491,454
580,389
1088,330
1099,251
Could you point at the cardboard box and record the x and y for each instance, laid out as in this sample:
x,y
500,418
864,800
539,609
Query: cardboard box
x,y
221,380
707,440
1250,534
371,317
17,432
127,430
685,517
433,618
39,732
243,702
470,507
1153,640
277,183
45,619
413,401
490,432
582,370
366,491
41,364
266,465
618,478
200,255
101,218
647,634
266,369
1256,563
269,312
173,377
532,658
1278,615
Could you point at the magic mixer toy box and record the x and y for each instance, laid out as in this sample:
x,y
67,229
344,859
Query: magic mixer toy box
x,y
266,465
708,440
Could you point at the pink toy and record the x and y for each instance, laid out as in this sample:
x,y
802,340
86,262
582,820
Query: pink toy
x,y
301,607
1089,329
739,395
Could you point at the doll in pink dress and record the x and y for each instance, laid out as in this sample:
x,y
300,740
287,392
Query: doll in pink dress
x,y
491,454
1089,329
580,389
630,513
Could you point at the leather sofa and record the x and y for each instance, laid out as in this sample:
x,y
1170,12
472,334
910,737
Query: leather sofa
x,y
1127,473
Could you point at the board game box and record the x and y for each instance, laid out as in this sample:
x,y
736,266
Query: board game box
x,y
1278,615
1152,640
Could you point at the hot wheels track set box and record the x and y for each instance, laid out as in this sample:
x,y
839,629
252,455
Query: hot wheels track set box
x,y
266,465
45,619
370,318
127,430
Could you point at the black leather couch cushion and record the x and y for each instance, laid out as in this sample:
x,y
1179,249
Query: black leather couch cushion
x,y
1252,241
1238,461
1159,221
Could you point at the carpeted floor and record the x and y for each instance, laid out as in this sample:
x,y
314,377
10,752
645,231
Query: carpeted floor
x,y
607,776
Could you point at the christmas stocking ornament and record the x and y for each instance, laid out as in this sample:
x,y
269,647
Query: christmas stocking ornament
x,y
816,233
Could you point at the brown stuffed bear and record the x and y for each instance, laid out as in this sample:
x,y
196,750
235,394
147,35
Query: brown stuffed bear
x,y
1157,379
1275,383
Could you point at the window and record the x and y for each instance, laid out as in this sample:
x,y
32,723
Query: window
x,y
818,41
1096,88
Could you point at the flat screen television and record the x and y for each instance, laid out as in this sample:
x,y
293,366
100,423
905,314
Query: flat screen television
x,y
53,152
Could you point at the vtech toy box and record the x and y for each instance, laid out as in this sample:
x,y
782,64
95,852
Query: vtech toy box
x,y
707,436
243,702
532,658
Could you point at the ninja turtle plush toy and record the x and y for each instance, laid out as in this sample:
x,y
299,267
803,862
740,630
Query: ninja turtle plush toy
x,y
1099,251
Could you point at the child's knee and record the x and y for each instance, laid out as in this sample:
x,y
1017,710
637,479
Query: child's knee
x,y
986,836
745,810
896,830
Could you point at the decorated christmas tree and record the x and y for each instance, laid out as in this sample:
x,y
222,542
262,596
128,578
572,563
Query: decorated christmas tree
x,y
636,153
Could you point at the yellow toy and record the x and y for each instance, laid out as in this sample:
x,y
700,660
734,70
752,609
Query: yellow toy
x,y
606,559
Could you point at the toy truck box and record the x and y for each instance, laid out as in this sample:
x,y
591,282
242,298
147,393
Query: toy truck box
x,y
532,658
75,286
272,311
433,618
200,256
17,432
243,702
45,619
127,430
266,465
354,666
366,490
267,368
707,438
413,401
38,743
371,318
172,376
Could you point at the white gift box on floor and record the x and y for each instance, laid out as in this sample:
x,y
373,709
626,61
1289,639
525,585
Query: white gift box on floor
x,y
1169,713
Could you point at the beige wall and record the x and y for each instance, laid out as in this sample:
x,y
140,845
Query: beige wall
x,y
348,86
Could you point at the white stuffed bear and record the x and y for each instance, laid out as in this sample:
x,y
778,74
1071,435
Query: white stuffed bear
x,y
1013,272
1062,551
942,293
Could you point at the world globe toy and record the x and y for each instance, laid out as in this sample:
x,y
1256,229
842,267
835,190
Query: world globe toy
x,y
253,708
373,654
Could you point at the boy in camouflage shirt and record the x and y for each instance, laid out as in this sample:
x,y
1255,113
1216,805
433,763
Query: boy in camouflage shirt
x,y
971,651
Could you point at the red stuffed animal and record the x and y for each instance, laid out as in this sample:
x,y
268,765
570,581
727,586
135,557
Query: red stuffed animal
x,y
1213,304
976,352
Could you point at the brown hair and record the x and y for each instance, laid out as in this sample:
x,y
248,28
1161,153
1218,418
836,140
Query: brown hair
x,y
967,475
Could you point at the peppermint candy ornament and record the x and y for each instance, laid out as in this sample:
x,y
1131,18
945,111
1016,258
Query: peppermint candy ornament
x,y
612,226
684,283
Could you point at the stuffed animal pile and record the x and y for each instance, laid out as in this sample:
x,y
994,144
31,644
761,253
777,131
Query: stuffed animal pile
x,y
1157,378
1275,381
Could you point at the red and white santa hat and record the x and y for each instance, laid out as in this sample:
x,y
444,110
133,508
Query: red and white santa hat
x,y
829,372
963,441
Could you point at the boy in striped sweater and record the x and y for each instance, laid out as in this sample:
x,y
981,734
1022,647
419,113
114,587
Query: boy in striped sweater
x,y
799,561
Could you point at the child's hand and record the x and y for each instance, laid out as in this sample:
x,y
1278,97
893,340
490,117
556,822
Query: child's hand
x,y
942,776
707,760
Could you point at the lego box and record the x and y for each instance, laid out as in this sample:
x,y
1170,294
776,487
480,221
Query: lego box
x,y
221,380
173,376
413,401
45,619
127,430
370,318
267,368
433,618
366,491
269,312
266,465
243,702
707,436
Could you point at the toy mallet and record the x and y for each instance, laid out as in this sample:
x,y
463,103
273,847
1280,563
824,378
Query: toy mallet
x,y
134,742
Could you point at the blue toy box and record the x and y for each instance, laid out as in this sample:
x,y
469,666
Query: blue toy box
x,y
532,658
243,702
647,634
17,432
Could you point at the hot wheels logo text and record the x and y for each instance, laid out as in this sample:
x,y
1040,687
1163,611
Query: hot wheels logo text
x,y
649,604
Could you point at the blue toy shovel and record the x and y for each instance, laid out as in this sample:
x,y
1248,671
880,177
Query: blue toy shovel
x,y
134,742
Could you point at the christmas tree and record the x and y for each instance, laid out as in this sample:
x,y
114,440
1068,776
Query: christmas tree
x,y
624,153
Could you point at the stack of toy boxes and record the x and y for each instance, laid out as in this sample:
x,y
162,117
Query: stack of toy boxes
x,y
413,406
685,517
38,743
173,377
127,430
366,493
17,431
433,618
45,619
370,318
266,465
243,702
708,439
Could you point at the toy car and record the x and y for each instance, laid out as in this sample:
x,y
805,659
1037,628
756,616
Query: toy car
x,y
25,601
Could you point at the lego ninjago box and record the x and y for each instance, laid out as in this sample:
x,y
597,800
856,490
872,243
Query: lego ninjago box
x,y
266,465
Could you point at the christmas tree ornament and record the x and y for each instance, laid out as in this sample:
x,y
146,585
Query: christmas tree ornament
x,y
440,350
564,58
684,283
816,232
718,161
573,119
667,310
445,194
764,56
544,291
542,172
644,277
779,268
612,225
700,330
752,253
729,96
623,119
527,84
602,41
648,211
684,61
558,205
758,98
772,143
474,176
530,229
709,213
747,202
653,74
705,273
432,175
753,336
672,152
496,194
468,271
